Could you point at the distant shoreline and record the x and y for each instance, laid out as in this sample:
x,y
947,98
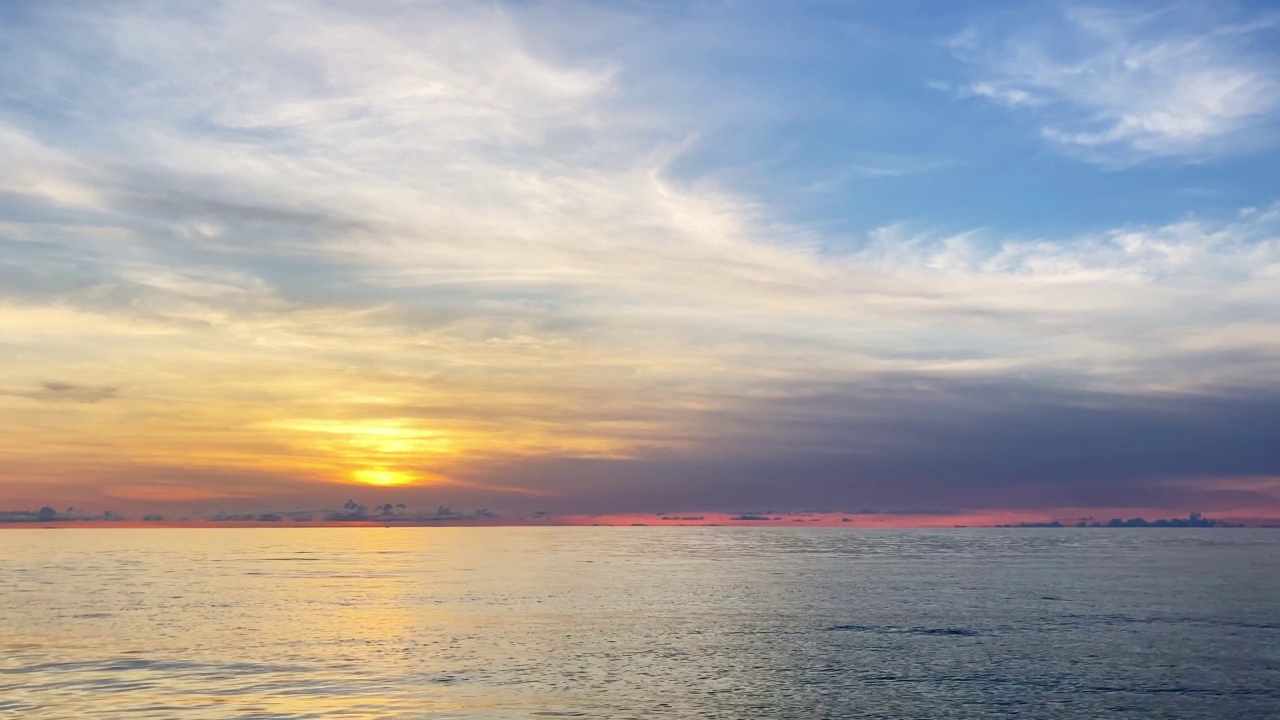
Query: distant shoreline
x,y
232,525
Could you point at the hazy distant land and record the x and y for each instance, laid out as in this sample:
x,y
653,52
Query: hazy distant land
x,y
388,514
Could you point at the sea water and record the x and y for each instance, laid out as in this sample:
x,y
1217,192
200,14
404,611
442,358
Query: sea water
x,y
639,622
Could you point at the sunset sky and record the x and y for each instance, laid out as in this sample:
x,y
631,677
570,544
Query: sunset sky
x,y
638,257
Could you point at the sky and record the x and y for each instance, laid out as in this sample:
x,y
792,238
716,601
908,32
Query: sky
x,y
641,257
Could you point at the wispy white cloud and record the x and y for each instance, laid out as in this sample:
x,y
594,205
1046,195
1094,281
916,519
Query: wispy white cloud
x,y
567,246
1011,96
34,168
1121,87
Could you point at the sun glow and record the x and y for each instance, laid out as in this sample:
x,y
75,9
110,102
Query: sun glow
x,y
391,437
369,453
383,477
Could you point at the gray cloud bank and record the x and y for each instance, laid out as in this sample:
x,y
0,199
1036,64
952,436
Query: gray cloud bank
x,y
957,445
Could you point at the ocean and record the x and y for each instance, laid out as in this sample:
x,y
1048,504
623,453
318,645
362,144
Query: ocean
x,y
641,622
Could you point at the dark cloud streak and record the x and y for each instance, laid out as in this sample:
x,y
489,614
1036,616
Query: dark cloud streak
x,y
52,391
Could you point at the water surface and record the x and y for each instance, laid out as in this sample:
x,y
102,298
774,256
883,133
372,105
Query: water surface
x,y
639,623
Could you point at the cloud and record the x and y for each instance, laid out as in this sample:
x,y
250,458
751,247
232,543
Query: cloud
x,y
164,493
65,392
44,172
1120,87
1013,97
991,444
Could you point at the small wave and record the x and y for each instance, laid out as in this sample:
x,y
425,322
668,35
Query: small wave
x,y
1117,619
114,665
898,630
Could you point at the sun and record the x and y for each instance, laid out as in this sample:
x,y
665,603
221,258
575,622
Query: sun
x,y
382,477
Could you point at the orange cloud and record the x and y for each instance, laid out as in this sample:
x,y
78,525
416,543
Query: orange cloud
x,y
170,493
